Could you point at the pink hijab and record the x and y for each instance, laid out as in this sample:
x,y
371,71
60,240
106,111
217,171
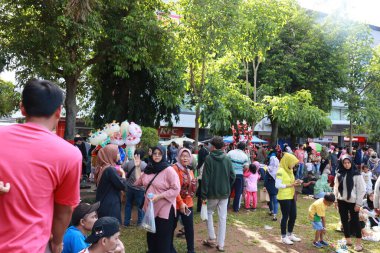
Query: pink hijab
x,y
107,157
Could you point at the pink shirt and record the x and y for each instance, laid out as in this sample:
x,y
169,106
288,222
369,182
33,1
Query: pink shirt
x,y
251,181
165,184
41,168
300,154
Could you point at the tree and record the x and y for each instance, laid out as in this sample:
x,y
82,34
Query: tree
x,y
203,36
357,52
9,98
295,114
140,77
257,25
304,56
40,38
371,97
224,99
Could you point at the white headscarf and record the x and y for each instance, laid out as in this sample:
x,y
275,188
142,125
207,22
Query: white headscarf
x,y
273,166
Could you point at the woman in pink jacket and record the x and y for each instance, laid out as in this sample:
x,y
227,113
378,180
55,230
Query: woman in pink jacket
x,y
162,180
251,177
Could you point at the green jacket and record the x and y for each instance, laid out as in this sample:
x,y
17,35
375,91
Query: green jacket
x,y
218,176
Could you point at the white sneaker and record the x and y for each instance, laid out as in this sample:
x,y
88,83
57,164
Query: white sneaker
x,y
294,238
286,240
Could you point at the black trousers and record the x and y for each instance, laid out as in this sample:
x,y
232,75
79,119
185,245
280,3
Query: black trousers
x,y
188,223
289,215
238,186
162,240
199,196
349,222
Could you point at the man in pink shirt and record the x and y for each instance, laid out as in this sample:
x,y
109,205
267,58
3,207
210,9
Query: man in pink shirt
x,y
300,154
43,171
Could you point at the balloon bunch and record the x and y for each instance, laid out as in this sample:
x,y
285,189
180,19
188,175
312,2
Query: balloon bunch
x,y
128,134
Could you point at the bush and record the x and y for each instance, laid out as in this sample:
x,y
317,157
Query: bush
x,y
149,138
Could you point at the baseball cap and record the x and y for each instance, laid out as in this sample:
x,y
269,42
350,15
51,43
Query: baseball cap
x,y
103,227
81,210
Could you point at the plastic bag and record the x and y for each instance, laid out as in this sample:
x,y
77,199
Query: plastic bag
x,y
148,222
204,212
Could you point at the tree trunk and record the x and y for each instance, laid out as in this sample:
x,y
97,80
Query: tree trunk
x,y
274,133
246,69
70,106
196,133
255,68
350,152
293,140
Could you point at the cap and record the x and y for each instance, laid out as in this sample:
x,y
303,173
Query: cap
x,y
81,210
103,227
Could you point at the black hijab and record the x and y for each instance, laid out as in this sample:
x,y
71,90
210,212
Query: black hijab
x,y
349,174
153,167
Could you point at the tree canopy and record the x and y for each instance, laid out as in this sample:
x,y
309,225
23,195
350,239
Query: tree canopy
x,y
9,98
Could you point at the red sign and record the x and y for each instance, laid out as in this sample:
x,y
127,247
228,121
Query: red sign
x,y
166,132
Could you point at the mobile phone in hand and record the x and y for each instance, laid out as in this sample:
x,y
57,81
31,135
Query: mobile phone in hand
x,y
187,211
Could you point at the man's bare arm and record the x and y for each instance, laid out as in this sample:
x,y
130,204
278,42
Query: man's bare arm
x,y
61,220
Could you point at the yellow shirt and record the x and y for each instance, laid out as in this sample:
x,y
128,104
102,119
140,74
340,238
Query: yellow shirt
x,y
317,210
287,178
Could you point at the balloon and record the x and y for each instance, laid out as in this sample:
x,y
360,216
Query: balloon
x,y
124,129
98,138
135,130
112,128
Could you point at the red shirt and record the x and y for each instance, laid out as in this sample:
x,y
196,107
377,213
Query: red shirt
x,y
41,168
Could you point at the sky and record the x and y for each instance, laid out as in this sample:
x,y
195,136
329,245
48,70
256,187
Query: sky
x,y
367,11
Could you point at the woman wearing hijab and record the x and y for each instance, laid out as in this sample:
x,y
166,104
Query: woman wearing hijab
x,y
160,179
285,183
374,166
110,183
322,187
349,190
185,203
270,184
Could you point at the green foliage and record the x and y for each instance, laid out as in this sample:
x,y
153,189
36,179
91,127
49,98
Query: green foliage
x,y
296,115
140,77
149,138
224,101
304,56
9,98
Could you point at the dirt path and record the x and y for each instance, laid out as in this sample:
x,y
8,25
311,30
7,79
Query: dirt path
x,y
241,239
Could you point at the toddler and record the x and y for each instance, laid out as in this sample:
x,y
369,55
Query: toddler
x,y
251,177
367,175
317,216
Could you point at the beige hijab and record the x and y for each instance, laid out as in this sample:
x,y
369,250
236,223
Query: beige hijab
x,y
107,157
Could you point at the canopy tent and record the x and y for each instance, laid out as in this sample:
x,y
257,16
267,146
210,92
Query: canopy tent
x,y
179,141
255,139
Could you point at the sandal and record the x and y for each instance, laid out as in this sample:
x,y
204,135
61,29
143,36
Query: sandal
x,y
220,249
358,248
209,243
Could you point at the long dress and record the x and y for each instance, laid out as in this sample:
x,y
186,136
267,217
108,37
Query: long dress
x,y
108,193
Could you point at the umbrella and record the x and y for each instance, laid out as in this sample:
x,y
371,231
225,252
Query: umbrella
x,y
179,141
316,146
230,139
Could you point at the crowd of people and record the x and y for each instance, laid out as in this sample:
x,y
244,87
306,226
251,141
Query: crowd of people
x,y
44,214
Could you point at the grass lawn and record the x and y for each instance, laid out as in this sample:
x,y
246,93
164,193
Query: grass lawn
x,y
246,233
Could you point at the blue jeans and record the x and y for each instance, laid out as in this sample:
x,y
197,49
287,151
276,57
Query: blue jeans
x,y
273,204
138,197
238,186
300,171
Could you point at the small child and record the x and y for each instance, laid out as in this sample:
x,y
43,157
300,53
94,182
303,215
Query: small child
x,y
251,177
317,216
367,176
